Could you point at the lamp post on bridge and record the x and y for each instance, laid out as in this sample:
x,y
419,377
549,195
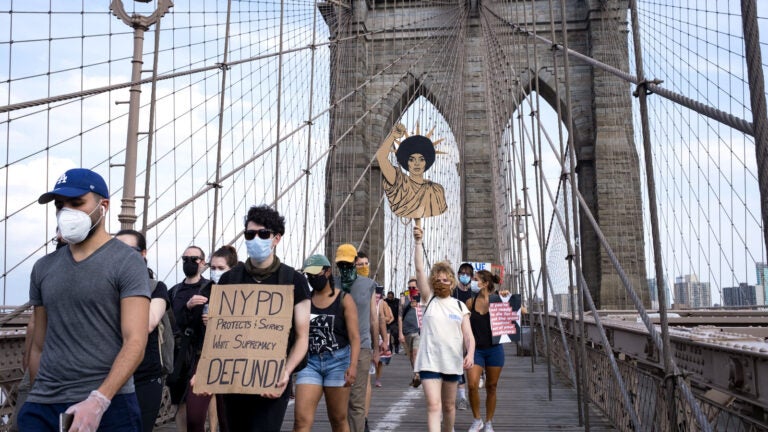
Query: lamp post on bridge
x,y
140,24
519,213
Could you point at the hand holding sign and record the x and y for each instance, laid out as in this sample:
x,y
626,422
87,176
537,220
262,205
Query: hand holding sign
x,y
245,344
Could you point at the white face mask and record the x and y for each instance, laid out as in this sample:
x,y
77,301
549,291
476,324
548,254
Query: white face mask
x,y
216,274
474,287
74,225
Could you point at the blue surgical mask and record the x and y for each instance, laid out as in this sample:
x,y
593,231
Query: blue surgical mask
x,y
259,250
474,287
464,279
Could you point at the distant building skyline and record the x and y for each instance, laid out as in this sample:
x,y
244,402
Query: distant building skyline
x,y
654,291
743,295
761,269
690,293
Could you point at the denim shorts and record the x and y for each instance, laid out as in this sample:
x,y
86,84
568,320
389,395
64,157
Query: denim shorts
x,y
425,375
325,369
490,357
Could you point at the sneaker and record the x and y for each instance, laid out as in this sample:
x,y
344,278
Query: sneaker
x,y
477,426
378,383
488,427
462,404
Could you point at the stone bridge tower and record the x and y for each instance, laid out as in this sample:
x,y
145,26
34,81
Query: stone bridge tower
x,y
608,173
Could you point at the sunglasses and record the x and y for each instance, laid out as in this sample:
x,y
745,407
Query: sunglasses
x,y
191,258
263,234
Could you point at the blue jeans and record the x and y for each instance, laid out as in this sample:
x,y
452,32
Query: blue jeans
x,y
122,415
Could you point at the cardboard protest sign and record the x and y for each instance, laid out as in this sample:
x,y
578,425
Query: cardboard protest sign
x,y
477,265
246,338
502,319
498,270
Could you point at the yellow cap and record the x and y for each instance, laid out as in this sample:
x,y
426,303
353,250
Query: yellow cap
x,y
346,253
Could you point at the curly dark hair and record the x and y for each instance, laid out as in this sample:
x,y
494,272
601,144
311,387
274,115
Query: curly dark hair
x,y
412,145
229,253
267,217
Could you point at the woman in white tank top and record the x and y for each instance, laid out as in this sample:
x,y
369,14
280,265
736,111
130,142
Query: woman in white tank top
x,y
446,335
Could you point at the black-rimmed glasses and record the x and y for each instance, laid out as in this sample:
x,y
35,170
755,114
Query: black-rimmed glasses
x,y
263,234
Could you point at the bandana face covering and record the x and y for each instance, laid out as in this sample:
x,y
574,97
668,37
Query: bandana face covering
x,y
348,276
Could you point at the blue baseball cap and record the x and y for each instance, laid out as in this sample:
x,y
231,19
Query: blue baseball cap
x,y
74,183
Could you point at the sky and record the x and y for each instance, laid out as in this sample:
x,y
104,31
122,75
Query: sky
x,y
708,201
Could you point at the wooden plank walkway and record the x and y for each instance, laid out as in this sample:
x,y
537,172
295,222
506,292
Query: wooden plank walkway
x,y
523,404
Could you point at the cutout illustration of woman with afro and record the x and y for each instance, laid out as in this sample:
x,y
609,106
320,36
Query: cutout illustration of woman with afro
x,y
410,195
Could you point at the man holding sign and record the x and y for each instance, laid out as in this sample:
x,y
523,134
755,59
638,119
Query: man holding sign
x,y
264,309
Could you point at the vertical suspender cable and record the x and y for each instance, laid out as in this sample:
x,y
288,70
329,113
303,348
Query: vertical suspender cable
x,y
578,353
757,99
222,100
641,93
279,103
537,169
151,130
575,251
309,131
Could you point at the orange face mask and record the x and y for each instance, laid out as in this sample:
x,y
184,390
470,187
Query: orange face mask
x,y
364,271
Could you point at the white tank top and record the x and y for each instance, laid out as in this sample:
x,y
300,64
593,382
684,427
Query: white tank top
x,y
442,346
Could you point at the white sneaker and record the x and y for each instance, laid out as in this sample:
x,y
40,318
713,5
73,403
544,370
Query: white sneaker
x,y
462,404
477,426
488,427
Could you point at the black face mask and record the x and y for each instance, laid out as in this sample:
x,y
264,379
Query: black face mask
x,y
318,282
190,268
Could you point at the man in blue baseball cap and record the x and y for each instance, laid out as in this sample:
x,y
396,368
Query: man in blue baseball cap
x,y
91,303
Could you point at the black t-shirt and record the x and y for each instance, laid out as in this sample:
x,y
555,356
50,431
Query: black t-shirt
x,y
150,366
238,275
461,295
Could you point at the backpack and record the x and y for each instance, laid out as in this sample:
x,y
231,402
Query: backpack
x,y
165,339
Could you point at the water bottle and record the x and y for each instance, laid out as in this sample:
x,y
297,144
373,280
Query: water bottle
x,y
372,370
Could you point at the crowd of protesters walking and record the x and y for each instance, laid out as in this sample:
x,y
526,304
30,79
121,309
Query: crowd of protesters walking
x,y
95,360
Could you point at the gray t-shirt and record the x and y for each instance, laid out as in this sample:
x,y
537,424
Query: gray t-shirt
x,y
362,291
410,320
82,304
